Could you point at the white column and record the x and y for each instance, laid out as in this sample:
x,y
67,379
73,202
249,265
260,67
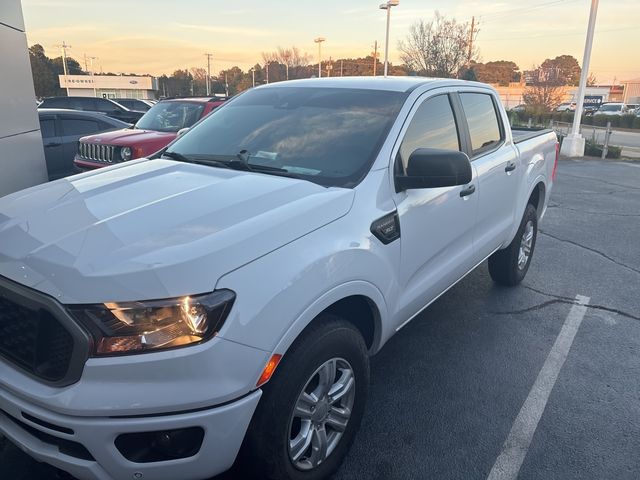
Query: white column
x,y
573,144
22,161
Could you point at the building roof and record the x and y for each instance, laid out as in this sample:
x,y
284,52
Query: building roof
x,y
634,80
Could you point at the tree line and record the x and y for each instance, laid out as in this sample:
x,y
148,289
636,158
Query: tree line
x,y
441,47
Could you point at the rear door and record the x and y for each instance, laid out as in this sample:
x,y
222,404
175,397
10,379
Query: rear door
x,y
436,224
73,128
52,142
496,162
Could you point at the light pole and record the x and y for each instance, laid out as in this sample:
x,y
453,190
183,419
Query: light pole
x,y
387,6
208,55
319,41
573,144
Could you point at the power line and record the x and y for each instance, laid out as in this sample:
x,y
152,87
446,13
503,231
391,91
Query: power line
x,y
492,17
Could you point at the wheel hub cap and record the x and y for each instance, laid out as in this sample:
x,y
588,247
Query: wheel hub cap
x,y
321,414
526,244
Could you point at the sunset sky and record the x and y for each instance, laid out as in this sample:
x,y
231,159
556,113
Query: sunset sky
x,y
160,36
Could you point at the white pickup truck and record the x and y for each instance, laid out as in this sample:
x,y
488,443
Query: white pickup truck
x,y
168,318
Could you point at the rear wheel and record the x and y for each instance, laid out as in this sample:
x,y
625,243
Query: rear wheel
x,y
510,265
311,408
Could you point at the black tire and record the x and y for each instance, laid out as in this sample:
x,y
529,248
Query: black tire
x,y
265,450
503,264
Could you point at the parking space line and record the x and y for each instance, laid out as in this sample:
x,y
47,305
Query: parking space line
x,y
517,443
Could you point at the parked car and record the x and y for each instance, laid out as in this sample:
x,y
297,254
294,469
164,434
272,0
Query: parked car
x,y
612,108
519,108
566,107
155,130
134,104
590,109
222,299
92,104
61,129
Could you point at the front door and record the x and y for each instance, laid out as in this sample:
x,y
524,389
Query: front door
x,y
436,224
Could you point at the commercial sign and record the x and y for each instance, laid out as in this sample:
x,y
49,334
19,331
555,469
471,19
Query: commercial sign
x,y
593,100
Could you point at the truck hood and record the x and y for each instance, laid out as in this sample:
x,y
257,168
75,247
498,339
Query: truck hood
x,y
129,137
153,228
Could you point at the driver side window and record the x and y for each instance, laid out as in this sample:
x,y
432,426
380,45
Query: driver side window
x,y
432,126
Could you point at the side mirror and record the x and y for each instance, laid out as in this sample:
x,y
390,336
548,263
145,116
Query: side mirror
x,y
182,131
432,168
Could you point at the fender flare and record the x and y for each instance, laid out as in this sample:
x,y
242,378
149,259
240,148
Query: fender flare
x,y
328,298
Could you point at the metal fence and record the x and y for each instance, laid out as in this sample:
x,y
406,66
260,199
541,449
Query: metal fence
x,y
597,135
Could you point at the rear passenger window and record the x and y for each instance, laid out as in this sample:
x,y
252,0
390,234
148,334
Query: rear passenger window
x,y
482,118
86,104
78,126
432,126
106,106
47,127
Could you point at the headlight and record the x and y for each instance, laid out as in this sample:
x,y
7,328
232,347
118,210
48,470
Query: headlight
x,y
135,327
125,154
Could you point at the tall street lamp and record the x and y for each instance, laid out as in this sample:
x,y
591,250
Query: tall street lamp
x,y
387,6
319,41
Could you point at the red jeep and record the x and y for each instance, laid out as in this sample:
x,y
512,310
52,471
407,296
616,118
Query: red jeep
x,y
155,130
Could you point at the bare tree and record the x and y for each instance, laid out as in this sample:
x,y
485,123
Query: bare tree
x,y
543,95
292,57
437,48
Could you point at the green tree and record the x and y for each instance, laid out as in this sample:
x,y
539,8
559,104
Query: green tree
x,y
45,81
501,72
563,70
73,67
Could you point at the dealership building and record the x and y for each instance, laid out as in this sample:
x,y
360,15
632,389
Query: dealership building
x,y
110,86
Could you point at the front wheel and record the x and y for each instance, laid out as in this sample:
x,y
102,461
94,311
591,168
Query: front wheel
x,y
312,407
510,265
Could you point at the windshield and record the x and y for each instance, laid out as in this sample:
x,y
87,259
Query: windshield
x,y
326,135
610,108
170,116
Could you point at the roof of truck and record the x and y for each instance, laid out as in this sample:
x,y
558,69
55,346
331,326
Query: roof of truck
x,y
397,84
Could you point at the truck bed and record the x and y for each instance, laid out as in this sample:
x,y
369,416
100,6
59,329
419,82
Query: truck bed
x,y
521,134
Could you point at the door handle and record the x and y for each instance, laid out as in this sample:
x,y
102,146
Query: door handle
x,y
53,144
468,190
511,166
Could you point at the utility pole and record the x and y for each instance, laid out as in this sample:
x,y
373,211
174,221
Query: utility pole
x,y
472,34
95,91
319,41
208,55
341,68
64,47
329,67
253,75
573,144
226,85
267,67
375,57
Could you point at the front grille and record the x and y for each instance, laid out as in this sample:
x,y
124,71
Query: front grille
x,y
97,153
34,340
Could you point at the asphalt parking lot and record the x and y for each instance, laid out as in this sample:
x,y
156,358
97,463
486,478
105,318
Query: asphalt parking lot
x,y
485,364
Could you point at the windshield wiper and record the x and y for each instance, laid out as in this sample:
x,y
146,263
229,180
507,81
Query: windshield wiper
x,y
242,163
183,158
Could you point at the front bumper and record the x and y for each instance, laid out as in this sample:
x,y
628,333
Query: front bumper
x,y
40,433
